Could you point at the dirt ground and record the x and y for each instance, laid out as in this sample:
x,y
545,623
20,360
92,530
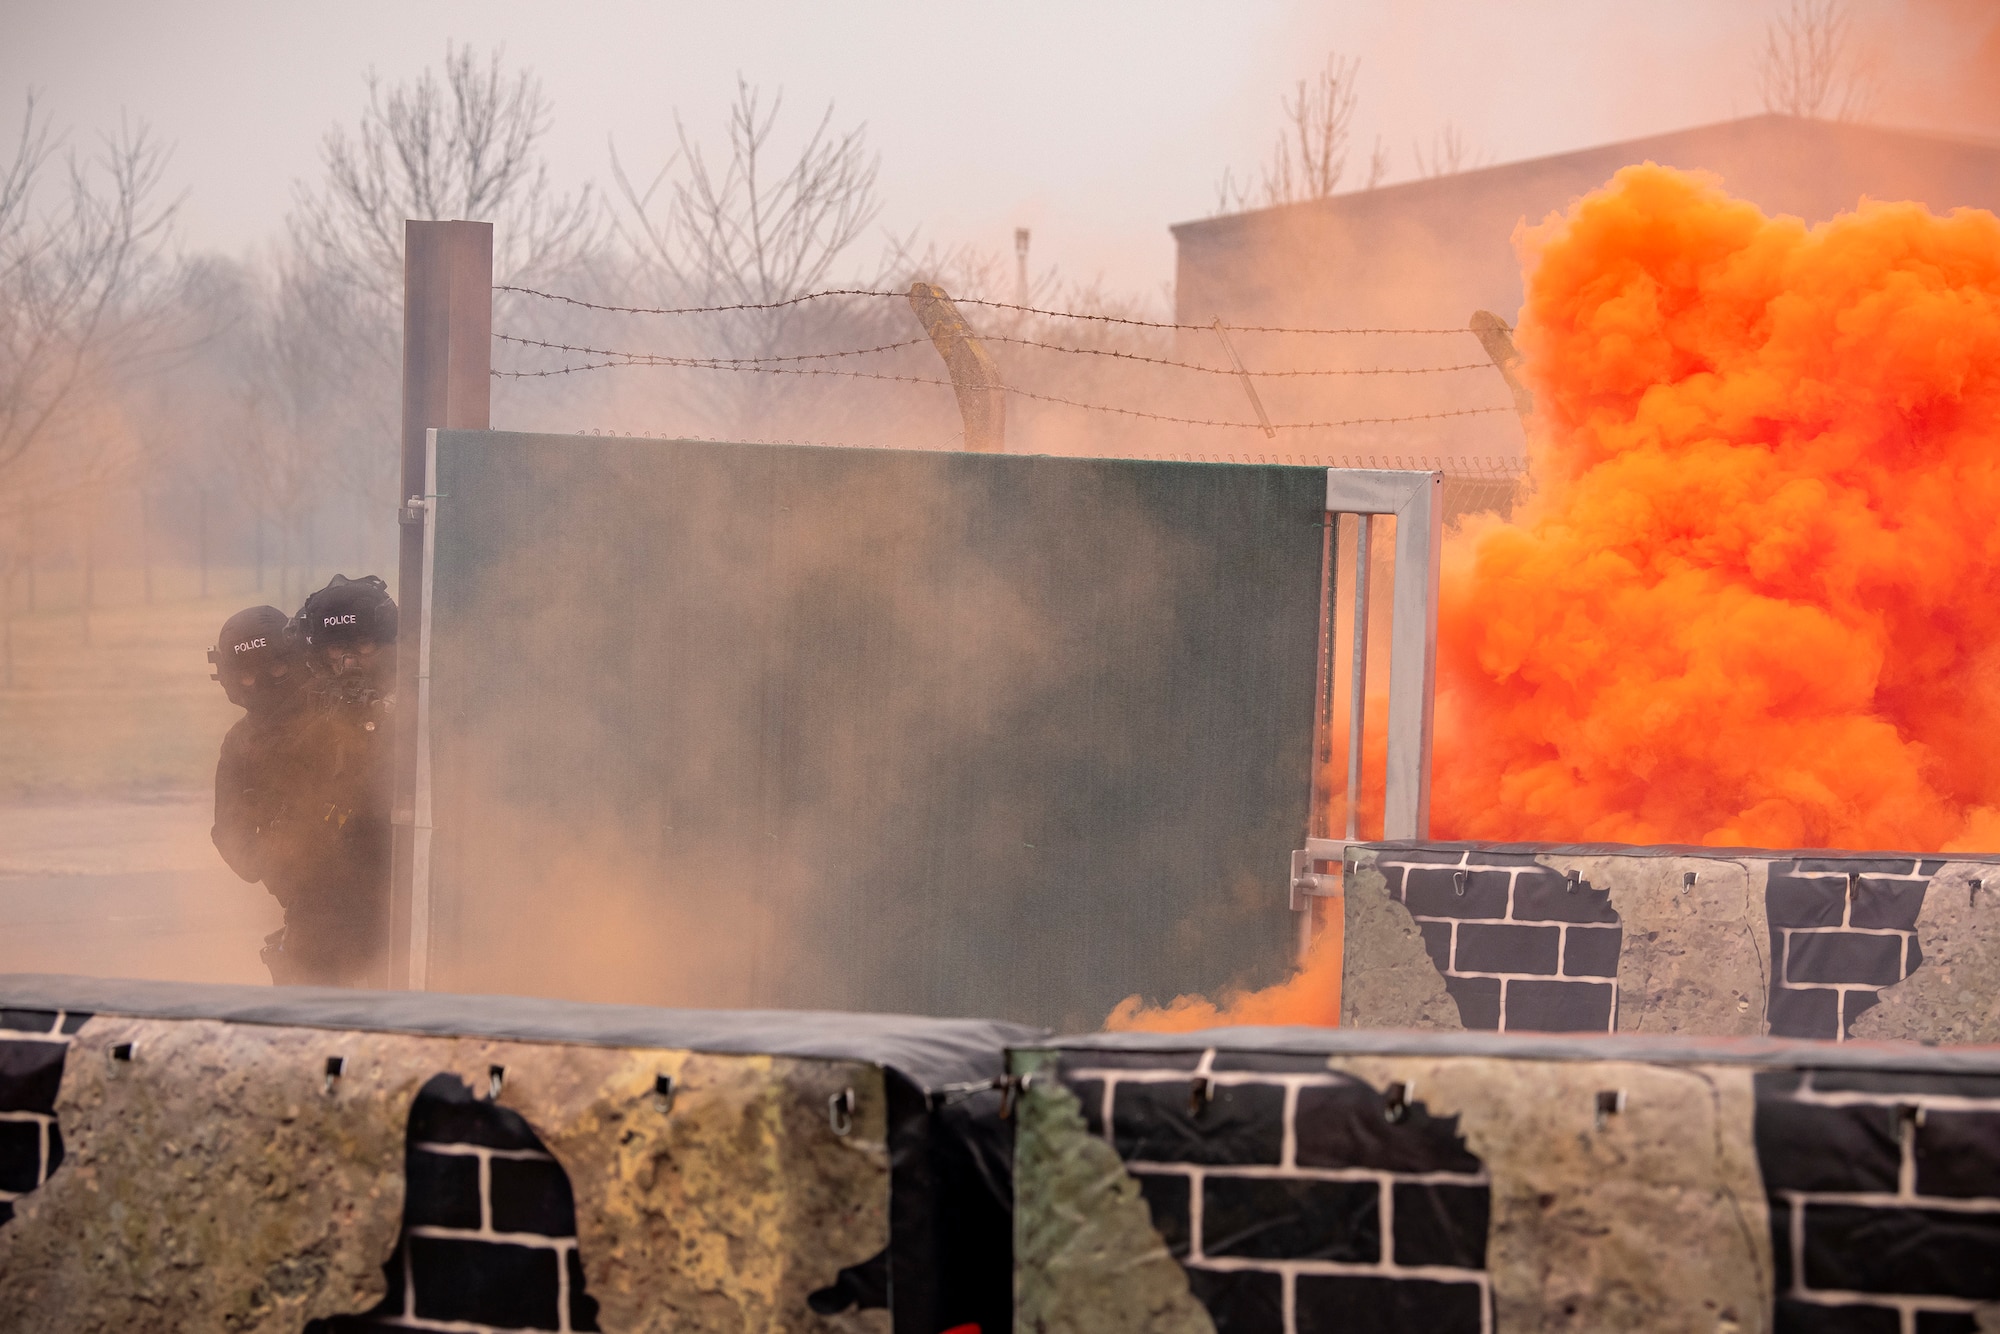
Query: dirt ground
x,y
108,736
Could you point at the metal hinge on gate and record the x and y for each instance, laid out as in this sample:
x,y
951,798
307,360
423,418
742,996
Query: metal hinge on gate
x,y
1308,881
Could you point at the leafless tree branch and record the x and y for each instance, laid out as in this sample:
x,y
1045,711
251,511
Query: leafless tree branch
x,y
1808,67
1310,156
461,146
82,287
746,232
1450,152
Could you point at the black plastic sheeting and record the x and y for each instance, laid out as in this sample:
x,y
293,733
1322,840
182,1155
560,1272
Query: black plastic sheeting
x,y
931,732
1774,1053
1880,1161
951,1208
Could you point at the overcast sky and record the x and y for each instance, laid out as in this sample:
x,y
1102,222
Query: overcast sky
x,y
1096,124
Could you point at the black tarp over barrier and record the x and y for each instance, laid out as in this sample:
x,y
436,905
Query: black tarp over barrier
x,y
940,732
950,1254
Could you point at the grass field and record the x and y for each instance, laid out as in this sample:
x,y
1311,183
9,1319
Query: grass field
x,y
123,707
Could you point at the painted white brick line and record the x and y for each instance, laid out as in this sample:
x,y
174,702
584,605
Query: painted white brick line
x,y
1466,865
1289,1271
444,1326
485,1232
41,1034
1917,875
45,1122
1909,1108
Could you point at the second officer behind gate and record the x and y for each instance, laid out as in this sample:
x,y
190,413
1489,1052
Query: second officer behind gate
x,y
263,771
337,919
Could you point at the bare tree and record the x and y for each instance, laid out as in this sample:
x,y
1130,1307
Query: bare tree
x,y
1450,152
280,411
751,233
82,283
464,146
1310,156
1808,66
1378,164
462,141
758,225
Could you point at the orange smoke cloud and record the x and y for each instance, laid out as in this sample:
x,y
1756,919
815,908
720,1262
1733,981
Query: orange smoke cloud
x,y
1755,595
1752,601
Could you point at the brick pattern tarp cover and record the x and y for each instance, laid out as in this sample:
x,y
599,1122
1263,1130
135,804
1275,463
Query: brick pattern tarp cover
x,y
1296,1197
1520,946
33,1045
1523,946
1885,1199
489,1227
489,1233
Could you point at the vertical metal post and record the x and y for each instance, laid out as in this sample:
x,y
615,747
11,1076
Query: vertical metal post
x,y
1357,701
447,366
420,723
1406,806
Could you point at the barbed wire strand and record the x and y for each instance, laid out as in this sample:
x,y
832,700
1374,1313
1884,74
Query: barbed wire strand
x,y
1231,370
1496,468
625,355
696,364
719,362
959,300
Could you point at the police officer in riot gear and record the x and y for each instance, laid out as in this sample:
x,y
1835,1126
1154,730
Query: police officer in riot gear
x,y
263,767
337,905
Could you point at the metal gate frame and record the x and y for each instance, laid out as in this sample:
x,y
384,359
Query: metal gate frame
x,y
1416,501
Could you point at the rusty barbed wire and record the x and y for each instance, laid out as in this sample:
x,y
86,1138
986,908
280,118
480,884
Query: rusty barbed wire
x,y
625,355
1231,370
1494,468
959,300
751,367
652,358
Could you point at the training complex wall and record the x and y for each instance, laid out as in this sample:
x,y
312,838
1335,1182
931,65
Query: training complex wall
x,y
1297,1181
177,1157
1719,941
182,1157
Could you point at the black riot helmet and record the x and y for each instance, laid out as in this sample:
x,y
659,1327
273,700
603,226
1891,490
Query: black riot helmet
x,y
349,627
256,660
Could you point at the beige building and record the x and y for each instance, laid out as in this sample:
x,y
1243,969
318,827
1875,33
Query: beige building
x,y
1430,252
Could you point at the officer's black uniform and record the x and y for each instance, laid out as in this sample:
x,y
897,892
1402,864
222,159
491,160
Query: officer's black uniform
x,y
336,894
264,767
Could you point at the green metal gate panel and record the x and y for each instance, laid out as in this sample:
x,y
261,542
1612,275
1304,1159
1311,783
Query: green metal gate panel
x,y
942,733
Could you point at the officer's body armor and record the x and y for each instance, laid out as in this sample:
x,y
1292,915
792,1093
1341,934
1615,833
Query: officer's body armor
x,y
302,803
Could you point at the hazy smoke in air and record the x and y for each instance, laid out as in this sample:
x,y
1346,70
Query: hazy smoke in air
x,y
1751,600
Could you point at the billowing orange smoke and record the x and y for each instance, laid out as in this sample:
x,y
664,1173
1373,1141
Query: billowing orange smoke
x,y
1755,597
